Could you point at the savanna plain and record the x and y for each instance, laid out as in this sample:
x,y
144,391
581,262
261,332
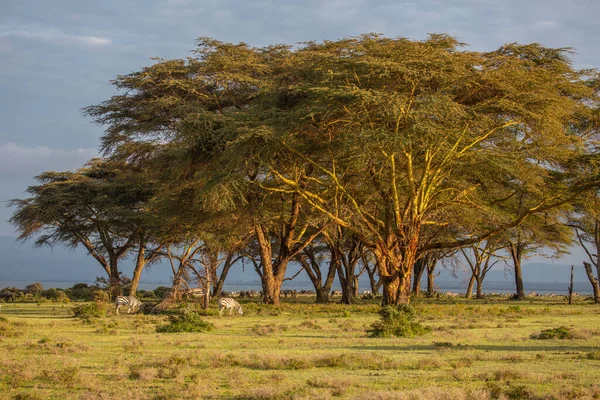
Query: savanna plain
x,y
476,349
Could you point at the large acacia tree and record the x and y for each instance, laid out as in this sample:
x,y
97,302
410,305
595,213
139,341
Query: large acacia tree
x,y
387,138
411,136
101,207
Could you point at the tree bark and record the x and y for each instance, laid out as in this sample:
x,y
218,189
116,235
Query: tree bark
x,y
140,262
479,289
516,253
593,280
313,270
420,267
469,293
431,277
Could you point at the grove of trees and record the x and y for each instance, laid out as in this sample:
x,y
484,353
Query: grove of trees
x,y
361,155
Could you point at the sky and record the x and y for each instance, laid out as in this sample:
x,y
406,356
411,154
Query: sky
x,y
59,56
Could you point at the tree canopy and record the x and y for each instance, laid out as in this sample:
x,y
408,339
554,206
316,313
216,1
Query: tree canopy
x,y
410,145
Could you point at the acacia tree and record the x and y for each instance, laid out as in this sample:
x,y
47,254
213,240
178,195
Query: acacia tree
x,y
312,259
479,258
585,221
385,137
100,207
405,132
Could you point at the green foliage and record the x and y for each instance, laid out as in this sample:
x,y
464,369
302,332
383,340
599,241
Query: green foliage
x,y
54,294
81,291
188,321
34,289
562,332
397,321
88,311
161,291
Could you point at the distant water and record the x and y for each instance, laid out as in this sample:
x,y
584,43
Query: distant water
x,y
457,286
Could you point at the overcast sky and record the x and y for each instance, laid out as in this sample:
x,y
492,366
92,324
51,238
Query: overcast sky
x,y
58,56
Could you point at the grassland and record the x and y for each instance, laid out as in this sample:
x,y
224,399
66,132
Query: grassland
x,y
476,350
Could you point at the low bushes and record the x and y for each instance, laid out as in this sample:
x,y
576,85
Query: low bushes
x,y
87,312
397,321
561,332
188,321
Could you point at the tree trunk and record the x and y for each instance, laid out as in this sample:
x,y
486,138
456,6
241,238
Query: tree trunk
x,y
391,286
322,295
404,289
571,285
479,289
420,267
519,281
469,293
218,285
313,270
516,254
431,279
272,292
140,262
593,280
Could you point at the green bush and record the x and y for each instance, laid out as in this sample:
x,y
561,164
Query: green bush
x,y
397,321
53,294
86,312
161,291
81,291
562,332
189,321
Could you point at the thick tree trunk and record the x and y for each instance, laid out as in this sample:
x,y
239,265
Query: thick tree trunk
x,y
322,295
404,289
469,293
391,286
593,280
272,292
396,262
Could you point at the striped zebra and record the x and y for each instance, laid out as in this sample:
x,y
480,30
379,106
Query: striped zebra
x,y
230,304
129,301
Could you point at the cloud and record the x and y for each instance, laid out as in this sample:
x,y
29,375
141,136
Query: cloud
x,y
18,161
54,36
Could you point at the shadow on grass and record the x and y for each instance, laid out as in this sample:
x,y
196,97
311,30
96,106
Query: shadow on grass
x,y
548,348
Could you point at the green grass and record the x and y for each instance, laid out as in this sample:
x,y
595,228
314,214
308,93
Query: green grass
x,y
475,350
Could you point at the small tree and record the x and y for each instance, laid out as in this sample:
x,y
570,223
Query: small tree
x,y
34,289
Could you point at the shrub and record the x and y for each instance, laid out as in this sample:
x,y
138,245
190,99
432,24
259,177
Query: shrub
x,y
161,291
81,291
34,288
86,312
562,332
189,321
397,321
53,294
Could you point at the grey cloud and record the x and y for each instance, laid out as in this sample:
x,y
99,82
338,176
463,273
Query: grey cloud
x,y
22,161
55,36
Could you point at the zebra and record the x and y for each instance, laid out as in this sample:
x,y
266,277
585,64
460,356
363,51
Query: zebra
x,y
130,301
230,304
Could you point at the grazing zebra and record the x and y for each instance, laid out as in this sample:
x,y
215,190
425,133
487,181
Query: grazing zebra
x,y
230,304
130,301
